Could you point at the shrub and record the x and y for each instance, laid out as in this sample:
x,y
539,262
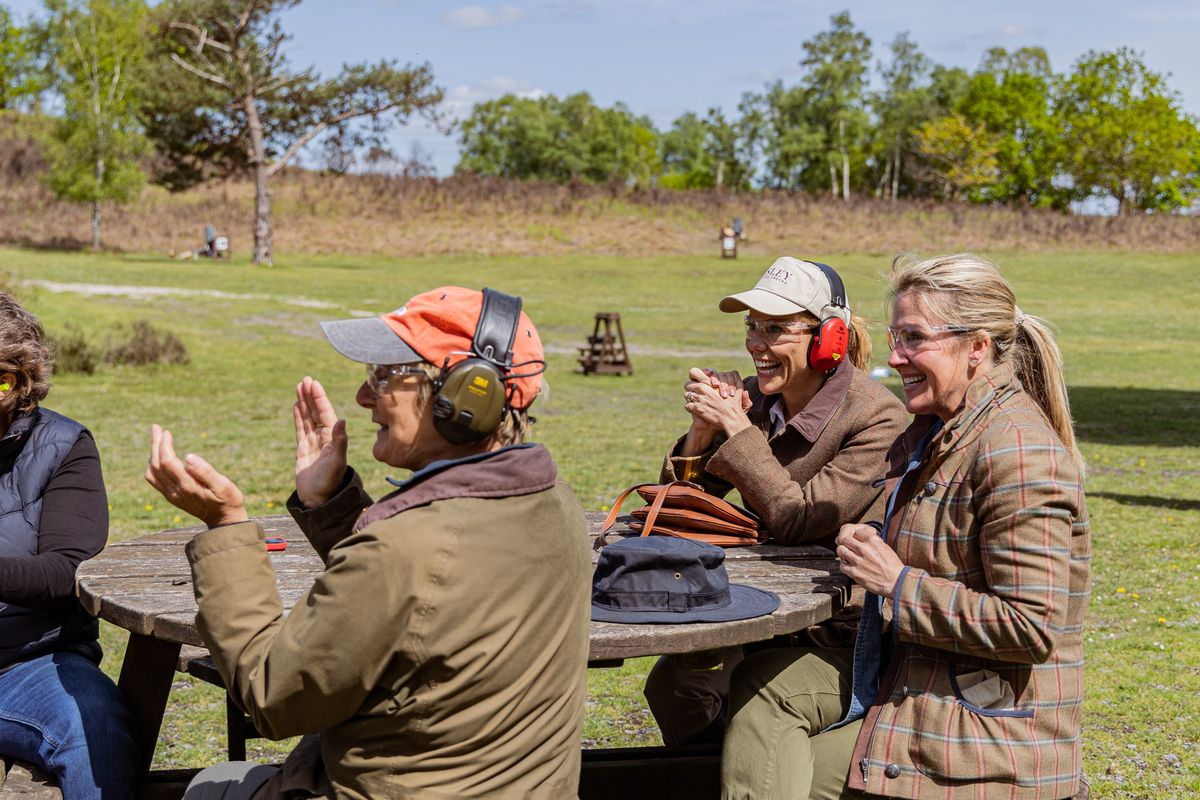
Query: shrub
x,y
147,345
72,353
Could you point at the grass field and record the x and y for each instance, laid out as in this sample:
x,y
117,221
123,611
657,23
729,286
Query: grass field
x,y
1127,328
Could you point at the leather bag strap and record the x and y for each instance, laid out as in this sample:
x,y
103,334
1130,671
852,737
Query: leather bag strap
x,y
614,512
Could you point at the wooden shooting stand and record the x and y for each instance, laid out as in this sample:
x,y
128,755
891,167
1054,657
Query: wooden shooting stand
x,y
605,353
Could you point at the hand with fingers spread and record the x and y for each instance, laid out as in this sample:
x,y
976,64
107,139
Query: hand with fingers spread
x,y
192,484
320,444
867,559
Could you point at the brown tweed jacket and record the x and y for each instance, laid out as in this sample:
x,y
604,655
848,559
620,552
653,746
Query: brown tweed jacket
x,y
993,530
806,481
819,472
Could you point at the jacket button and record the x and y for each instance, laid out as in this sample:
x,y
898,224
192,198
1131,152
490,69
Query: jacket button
x,y
892,771
930,488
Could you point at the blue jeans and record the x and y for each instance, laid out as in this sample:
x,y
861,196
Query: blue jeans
x,y
61,713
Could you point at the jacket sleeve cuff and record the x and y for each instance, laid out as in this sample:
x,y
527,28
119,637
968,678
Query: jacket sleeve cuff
x,y
685,468
226,537
895,598
906,605
327,524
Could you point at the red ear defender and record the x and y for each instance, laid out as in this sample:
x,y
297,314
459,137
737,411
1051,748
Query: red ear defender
x,y
828,346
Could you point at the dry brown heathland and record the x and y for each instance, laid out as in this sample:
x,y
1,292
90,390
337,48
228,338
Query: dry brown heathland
x,y
387,215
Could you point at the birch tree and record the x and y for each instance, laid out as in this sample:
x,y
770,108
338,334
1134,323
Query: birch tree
x,y
98,49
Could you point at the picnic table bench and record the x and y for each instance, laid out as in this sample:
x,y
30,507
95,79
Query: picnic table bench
x,y
144,586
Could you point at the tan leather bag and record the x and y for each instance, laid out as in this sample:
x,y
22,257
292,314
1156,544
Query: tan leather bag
x,y
683,509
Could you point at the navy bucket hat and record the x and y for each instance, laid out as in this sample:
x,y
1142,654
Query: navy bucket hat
x,y
664,579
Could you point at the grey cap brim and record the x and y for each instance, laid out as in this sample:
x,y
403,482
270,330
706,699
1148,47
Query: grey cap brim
x,y
763,302
368,340
745,602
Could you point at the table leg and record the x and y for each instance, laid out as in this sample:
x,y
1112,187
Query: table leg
x,y
146,677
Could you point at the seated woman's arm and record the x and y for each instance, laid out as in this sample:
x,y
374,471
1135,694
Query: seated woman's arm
x,y
1027,493
799,513
331,521
73,528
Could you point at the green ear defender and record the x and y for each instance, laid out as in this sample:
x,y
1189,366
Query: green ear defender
x,y
471,397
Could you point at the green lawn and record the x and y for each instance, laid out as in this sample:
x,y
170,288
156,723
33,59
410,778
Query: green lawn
x,y
1126,328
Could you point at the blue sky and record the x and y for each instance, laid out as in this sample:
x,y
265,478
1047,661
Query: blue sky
x,y
665,57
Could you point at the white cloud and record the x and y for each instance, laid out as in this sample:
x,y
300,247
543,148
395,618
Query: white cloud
x,y
1007,32
473,18
460,99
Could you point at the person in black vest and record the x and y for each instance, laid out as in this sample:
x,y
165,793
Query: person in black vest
x,y
58,711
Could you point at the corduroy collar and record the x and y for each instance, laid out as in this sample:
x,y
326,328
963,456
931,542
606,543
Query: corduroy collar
x,y
508,472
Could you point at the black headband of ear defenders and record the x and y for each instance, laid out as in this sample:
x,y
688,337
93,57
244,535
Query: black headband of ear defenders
x,y
837,290
497,328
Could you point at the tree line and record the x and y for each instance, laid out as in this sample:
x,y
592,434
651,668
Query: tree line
x,y
191,90
1012,132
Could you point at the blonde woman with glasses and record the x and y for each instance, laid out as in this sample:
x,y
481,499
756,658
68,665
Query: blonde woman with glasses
x,y
802,440
966,679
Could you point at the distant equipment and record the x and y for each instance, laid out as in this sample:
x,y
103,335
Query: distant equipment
x,y
605,353
729,243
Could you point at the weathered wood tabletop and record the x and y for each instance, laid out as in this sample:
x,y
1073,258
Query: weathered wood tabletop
x,y
144,585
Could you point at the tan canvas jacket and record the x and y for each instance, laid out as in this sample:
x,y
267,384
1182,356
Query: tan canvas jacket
x,y
442,653
993,530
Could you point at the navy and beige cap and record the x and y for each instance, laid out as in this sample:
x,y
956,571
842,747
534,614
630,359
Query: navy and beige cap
x,y
664,579
789,286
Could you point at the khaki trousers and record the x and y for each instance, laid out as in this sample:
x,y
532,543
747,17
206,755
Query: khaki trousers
x,y
688,694
780,702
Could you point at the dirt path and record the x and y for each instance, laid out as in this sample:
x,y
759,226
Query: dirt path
x,y
149,292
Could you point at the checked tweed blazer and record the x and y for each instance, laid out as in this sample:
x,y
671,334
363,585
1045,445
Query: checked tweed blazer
x,y
993,530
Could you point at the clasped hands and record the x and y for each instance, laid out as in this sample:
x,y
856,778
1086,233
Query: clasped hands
x,y
717,401
195,486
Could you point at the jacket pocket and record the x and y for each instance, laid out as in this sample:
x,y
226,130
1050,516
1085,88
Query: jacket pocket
x,y
958,740
991,685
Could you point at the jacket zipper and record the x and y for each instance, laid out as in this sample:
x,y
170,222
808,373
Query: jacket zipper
x,y
864,766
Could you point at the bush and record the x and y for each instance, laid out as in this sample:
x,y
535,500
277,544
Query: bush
x,y
147,345
72,353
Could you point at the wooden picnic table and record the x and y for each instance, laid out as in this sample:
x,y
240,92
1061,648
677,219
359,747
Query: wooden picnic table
x,y
144,586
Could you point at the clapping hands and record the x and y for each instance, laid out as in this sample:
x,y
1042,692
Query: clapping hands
x,y
320,444
192,484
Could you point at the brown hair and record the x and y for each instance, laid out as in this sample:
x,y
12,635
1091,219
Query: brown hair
x,y
967,290
25,353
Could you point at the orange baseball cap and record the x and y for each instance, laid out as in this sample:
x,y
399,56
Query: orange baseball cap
x,y
437,326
